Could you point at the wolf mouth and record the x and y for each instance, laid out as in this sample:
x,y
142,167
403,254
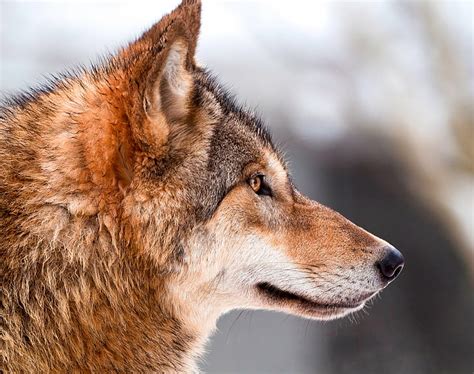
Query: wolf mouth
x,y
276,294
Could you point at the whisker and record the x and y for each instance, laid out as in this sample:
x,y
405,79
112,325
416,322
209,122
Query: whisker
x,y
232,325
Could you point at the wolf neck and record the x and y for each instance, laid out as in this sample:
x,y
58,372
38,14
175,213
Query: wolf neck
x,y
155,329
126,324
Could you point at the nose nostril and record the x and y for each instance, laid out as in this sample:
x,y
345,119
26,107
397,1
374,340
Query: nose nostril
x,y
391,264
397,271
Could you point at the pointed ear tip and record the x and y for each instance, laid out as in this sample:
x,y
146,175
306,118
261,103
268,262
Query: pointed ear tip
x,y
194,6
189,14
191,3
190,11
184,21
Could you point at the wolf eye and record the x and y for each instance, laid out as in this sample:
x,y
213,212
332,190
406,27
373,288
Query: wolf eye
x,y
260,186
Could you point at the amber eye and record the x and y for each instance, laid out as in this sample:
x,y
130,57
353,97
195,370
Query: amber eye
x,y
259,185
256,183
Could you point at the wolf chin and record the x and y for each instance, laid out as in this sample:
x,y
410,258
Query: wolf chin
x,y
138,203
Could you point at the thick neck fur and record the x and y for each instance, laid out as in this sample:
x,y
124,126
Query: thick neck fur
x,y
78,293
110,313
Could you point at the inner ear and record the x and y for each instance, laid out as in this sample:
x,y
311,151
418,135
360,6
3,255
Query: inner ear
x,y
171,88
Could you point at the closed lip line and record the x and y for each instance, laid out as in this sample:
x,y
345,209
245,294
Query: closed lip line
x,y
273,292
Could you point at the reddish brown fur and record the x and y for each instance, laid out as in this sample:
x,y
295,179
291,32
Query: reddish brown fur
x,y
81,300
123,195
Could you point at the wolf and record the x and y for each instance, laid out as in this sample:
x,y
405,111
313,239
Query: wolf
x,y
139,202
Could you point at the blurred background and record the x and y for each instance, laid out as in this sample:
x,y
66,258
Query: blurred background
x,y
373,104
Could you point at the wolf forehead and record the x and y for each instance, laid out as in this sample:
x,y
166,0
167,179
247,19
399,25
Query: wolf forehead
x,y
239,133
238,138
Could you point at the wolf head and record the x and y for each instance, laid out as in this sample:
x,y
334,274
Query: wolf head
x,y
210,198
148,155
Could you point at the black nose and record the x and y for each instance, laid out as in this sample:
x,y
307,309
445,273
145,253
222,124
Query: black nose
x,y
391,263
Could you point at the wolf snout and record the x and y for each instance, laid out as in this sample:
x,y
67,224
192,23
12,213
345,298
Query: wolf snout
x,y
391,263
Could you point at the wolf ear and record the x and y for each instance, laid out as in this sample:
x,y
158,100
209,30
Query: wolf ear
x,y
168,90
163,61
